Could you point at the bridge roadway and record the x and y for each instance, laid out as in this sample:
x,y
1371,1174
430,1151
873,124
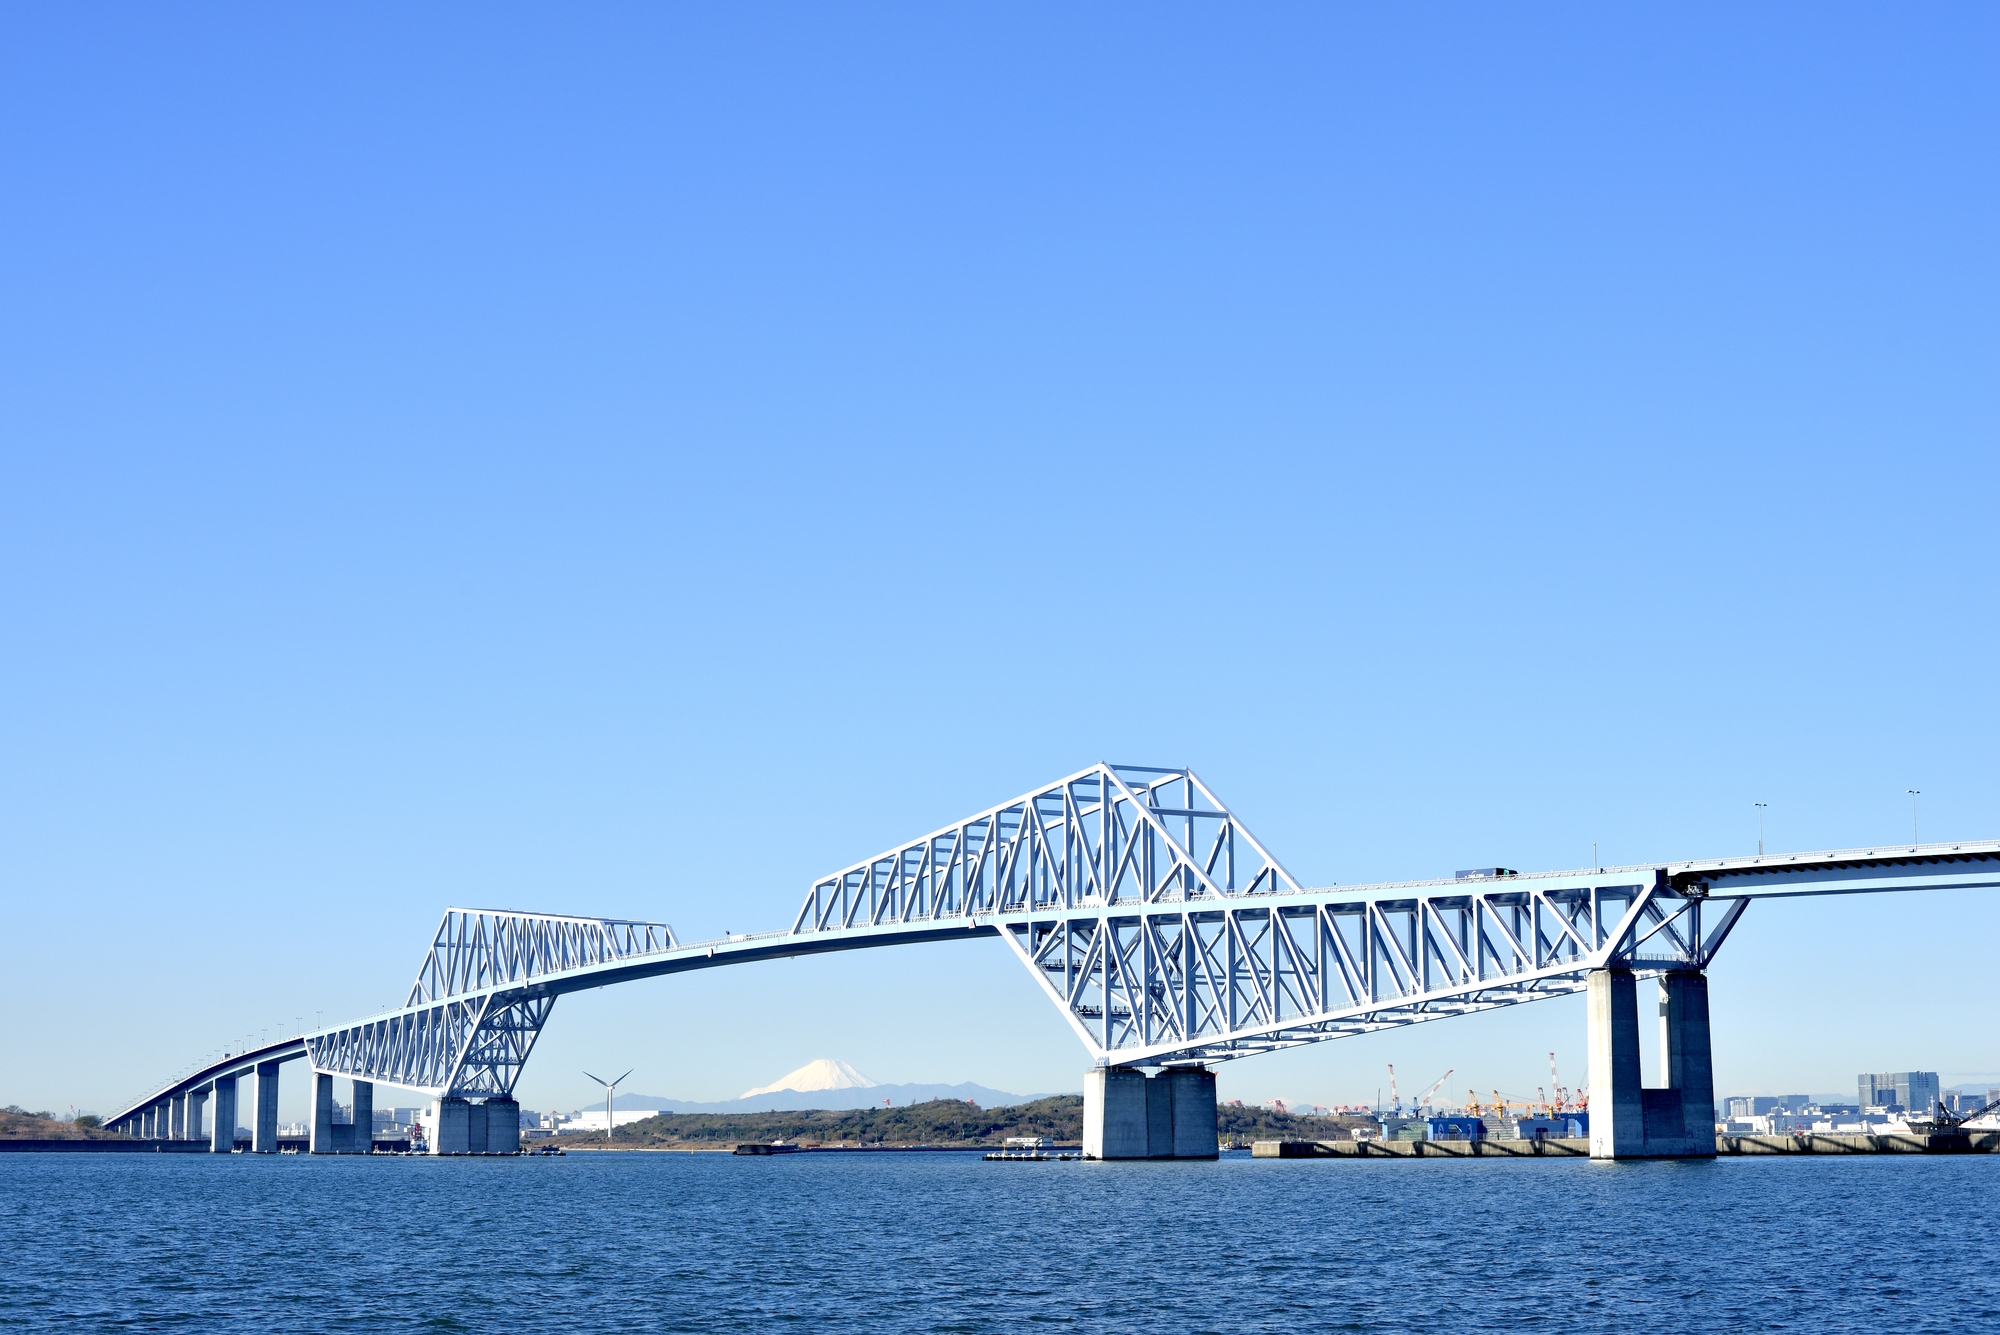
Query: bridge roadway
x,y
1163,931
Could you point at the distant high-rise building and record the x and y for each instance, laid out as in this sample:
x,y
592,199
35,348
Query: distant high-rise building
x,y
1912,1091
1758,1105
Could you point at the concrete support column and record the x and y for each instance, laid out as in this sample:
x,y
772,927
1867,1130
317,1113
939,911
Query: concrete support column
x,y
1628,1121
1114,1113
319,1116
222,1122
453,1116
475,1128
1617,1112
1690,1068
197,1104
1126,1115
364,1117
177,1119
1194,1111
146,1120
264,1131
503,1126
1159,1119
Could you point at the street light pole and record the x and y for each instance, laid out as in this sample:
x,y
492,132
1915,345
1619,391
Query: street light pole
x,y
1914,793
1760,826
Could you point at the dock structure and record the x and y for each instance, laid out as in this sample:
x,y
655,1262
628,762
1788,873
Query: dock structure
x,y
1166,935
1802,1143
1543,1147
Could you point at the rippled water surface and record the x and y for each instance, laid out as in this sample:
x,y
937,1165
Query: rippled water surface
x,y
948,1242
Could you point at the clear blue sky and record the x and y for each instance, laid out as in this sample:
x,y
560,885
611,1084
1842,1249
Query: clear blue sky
x,y
634,460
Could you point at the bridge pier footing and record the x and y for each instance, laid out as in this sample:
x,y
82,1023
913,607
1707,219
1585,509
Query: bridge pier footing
x,y
1628,1121
1130,1115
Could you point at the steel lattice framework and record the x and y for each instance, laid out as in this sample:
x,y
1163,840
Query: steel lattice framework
x,y
481,997
1166,933
1108,837
1145,910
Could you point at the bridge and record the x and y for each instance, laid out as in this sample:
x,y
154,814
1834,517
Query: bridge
x,y
1161,929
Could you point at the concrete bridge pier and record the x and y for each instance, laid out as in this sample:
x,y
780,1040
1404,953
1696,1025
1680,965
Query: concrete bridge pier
x,y
319,1120
503,1126
364,1117
197,1105
454,1117
222,1124
1130,1115
492,1126
1628,1121
327,1137
264,1131
177,1127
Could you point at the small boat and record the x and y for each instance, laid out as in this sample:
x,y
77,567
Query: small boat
x,y
775,1147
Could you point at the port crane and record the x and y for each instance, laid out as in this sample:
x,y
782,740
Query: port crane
x,y
1943,1121
1565,1102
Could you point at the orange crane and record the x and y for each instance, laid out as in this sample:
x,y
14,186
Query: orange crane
x,y
1394,1097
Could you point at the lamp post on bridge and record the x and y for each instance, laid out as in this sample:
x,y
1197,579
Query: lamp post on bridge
x,y
1760,826
1914,793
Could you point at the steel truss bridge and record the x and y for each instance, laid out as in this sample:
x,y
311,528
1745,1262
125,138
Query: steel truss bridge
x,y
1144,910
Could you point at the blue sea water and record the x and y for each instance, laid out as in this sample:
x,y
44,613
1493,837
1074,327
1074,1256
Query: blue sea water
x,y
948,1242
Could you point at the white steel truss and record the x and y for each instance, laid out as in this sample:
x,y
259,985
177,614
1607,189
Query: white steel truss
x,y
475,949
1202,984
1143,908
1111,835
482,995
